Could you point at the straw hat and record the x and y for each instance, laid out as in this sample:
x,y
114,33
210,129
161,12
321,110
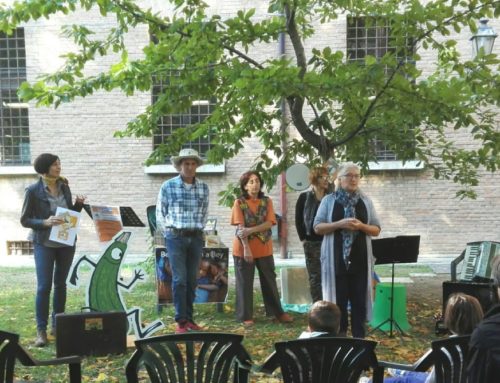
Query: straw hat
x,y
185,154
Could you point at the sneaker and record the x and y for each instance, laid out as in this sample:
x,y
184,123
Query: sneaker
x,y
285,318
191,326
41,338
181,328
248,323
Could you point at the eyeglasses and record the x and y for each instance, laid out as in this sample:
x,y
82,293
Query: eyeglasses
x,y
352,176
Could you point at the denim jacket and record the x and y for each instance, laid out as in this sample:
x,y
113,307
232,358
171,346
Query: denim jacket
x,y
36,209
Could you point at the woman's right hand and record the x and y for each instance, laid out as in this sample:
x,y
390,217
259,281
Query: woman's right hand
x,y
53,221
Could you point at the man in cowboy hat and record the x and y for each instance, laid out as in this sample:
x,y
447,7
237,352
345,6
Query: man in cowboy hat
x,y
181,211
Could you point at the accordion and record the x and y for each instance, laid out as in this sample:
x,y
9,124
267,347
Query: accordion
x,y
477,260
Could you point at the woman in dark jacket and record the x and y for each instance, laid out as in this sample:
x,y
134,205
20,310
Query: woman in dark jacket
x,y
305,211
52,259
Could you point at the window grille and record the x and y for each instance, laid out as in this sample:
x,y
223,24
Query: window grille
x,y
14,116
168,124
20,248
372,36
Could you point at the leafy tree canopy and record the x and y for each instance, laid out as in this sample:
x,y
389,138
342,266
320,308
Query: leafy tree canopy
x,y
338,107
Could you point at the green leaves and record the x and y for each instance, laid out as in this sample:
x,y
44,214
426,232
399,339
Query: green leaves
x,y
306,102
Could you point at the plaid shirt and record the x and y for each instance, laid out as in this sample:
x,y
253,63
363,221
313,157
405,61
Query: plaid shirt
x,y
182,208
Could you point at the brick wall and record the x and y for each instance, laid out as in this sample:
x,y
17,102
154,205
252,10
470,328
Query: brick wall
x,y
110,170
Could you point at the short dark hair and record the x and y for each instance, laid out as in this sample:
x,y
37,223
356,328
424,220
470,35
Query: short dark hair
x,y
462,314
324,316
43,162
245,177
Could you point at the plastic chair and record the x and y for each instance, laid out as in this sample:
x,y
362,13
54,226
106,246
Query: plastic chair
x,y
327,359
151,214
189,358
11,350
448,356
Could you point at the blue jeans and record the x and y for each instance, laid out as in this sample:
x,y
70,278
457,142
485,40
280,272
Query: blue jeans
x,y
45,260
184,255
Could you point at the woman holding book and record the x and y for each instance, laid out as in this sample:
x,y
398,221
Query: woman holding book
x,y
52,259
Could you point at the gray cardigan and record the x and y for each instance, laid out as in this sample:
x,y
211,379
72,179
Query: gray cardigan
x,y
324,215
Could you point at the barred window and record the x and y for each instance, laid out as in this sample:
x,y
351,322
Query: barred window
x,y
20,248
198,112
14,118
372,36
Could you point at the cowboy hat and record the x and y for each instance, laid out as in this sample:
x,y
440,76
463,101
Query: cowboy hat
x,y
185,154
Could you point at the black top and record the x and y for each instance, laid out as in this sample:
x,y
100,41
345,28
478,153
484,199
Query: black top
x,y
300,223
358,251
484,354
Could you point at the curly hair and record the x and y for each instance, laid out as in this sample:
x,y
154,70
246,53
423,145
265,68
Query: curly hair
x,y
316,173
245,177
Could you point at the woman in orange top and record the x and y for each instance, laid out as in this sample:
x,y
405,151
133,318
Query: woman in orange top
x,y
253,214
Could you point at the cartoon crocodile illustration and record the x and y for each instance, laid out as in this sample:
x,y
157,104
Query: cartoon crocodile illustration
x,y
104,289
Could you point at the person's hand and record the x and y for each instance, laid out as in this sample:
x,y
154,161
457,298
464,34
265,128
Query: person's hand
x,y
243,232
349,224
80,198
247,255
53,221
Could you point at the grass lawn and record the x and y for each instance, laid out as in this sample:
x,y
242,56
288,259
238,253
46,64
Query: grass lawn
x,y
17,294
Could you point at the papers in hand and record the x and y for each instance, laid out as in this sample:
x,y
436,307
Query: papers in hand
x,y
66,232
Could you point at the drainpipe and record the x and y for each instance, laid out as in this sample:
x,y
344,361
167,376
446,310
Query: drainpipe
x,y
283,199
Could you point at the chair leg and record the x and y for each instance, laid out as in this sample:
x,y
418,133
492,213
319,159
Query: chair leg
x,y
75,373
378,375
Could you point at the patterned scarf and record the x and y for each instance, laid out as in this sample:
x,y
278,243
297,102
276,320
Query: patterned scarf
x,y
348,201
252,219
51,181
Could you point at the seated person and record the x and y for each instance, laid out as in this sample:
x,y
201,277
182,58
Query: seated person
x,y
484,353
461,316
323,319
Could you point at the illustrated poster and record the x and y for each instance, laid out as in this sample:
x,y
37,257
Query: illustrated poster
x,y
67,231
107,222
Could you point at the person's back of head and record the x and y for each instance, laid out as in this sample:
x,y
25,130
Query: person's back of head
x,y
462,314
324,317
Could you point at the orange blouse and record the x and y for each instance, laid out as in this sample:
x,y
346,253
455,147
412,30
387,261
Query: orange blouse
x,y
259,249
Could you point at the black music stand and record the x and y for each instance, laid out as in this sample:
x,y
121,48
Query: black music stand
x,y
129,217
400,249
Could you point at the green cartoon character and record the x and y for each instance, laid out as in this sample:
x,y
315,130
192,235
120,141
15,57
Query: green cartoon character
x,y
104,289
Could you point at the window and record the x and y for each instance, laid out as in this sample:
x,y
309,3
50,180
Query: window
x,y
167,124
371,36
14,119
20,248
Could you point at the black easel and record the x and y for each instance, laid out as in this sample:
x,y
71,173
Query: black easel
x,y
400,249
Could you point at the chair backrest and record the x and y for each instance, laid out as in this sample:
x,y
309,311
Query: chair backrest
x,y
151,213
450,356
190,358
325,359
8,341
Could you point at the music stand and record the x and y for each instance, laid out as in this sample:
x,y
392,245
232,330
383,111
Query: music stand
x,y
129,217
400,249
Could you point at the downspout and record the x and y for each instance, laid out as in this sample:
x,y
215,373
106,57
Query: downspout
x,y
283,200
